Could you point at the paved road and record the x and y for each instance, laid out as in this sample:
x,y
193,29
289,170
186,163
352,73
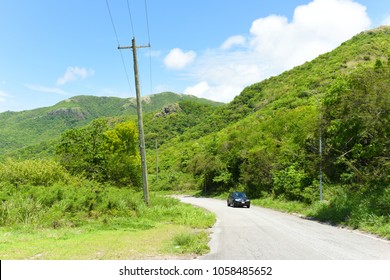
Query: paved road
x,y
259,233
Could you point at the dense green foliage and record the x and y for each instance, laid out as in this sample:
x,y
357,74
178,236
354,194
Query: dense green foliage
x,y
103,154
32,172
357,115
34,133
175,119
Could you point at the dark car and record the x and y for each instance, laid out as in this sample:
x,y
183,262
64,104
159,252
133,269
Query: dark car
x,y
238,199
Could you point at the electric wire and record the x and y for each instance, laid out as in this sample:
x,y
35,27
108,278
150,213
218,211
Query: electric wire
x,y
112,22
120,51
147,20
133,31
150,47
131,18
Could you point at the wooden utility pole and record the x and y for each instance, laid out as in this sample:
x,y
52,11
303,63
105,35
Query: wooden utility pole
x,y
156,161
140,121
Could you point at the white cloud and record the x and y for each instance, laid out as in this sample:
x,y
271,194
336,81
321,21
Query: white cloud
x,y
198,90
46,89
232,41
178,59
274,45
74,73
316,28
219,92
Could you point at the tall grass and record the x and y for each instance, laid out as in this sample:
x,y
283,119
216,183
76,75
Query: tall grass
x,y
111,207
64,205
368,212
42,194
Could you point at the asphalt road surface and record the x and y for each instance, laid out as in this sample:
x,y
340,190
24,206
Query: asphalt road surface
x,y
262,234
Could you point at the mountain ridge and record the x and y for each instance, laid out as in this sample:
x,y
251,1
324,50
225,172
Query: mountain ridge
x,y
29,127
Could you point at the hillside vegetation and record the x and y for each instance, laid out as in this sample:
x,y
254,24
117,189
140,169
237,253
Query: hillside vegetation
x,y
34,133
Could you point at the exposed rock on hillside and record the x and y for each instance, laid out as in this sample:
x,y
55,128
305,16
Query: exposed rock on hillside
x,y
75,112
169,109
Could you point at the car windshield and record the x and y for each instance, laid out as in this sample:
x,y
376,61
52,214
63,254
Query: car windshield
x,y
240,195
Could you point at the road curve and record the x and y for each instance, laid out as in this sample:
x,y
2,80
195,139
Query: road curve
x,y
263,234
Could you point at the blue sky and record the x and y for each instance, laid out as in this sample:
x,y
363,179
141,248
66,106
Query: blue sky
x,y
53,50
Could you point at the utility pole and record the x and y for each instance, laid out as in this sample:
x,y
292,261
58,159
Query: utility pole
x,y
320,138
140,121
320,142
156,161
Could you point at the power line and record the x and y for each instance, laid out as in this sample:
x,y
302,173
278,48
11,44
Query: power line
x,y
112,22
133,31
131,18
150,49
147,20
117,40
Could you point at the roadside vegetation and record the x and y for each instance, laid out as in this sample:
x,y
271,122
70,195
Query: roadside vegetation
x,y
70,217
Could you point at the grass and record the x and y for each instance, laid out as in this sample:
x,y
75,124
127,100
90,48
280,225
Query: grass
x,y
174,231
174,236
118,226
282,205
45,213
377,225
195,242
84,244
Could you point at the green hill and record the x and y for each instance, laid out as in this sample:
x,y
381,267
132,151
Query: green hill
x,y
36,128
291,87
298,86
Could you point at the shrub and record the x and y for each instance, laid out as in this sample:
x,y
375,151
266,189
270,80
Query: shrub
x,y
32,172
292,183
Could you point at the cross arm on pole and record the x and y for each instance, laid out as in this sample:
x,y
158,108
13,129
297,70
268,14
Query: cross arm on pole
x,y
131,47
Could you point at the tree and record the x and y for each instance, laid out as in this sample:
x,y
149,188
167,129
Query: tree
x,y
123,160
358,127
102,154
82,151
256,173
